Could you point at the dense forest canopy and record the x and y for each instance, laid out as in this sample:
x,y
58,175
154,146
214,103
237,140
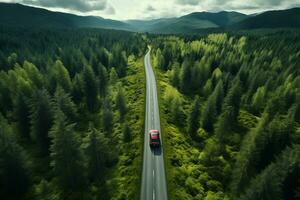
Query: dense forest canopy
x,y
65,119
232,114
72,113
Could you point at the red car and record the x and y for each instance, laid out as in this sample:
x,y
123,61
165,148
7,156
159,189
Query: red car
x,y
154,138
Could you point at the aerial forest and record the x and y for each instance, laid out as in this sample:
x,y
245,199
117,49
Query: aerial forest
x,y
71,105
72,110
231,114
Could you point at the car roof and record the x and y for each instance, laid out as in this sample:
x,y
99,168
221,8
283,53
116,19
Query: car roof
x,y
153,131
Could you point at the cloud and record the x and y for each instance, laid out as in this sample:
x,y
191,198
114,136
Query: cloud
x,y
188,2
78,5
110,10
150,8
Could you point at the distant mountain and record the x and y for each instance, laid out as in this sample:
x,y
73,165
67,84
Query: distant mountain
x,y
271,19
20,15
188,23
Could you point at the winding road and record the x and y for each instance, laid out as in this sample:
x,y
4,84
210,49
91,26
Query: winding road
x,y
154,185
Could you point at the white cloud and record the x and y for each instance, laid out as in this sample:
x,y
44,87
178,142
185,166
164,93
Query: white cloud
x,y
145,9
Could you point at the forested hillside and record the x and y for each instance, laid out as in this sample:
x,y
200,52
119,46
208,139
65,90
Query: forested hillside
x,y
230,106
71,105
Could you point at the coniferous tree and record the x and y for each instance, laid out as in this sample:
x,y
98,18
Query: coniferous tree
x,y
96,152
193,118
230,110
103,82
107,117
67,160
160,59
121,103
209,114
127,135
77,91
59,75
185,77
113,76
90,88
258,100
14,174
22,108
62,101
41,120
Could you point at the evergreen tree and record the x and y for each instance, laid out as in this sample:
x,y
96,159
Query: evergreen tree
x,y
77,92
113,76
121,103
22,107
127,135
90,88
107,117
209,114
41,119
258,100
103,82
186,77
160,60
62,101
96,152
14,174
193,118
67,160
177,115
59,75
213,107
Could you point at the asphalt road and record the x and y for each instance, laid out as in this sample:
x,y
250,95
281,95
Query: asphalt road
x,y
154,185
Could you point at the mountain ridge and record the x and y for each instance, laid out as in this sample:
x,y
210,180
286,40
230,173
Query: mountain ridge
x,y
15,14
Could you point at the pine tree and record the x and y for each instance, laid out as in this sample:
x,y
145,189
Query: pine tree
x,y
67,160
103,82
127,135
59,75
258,100
121,103
209,114
14,174
77,91
96,153
160,60
62,101
113,76
90,88
177,115
107,117
22,108
41,120
193,118
186,77
212,107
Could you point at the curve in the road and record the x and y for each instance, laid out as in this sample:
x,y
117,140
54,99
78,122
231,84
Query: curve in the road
x,y
154,185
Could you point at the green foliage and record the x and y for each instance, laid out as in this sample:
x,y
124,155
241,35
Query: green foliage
x,y
97,154
41,120
90,88
14,173
67,159
59,76
73,75
121,103
107,117
193,118
249,119
62,102
127,135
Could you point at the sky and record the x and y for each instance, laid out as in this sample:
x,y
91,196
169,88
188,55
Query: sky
x,y
153,9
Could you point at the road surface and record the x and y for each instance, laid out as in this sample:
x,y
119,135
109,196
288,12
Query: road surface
x,y
154,185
